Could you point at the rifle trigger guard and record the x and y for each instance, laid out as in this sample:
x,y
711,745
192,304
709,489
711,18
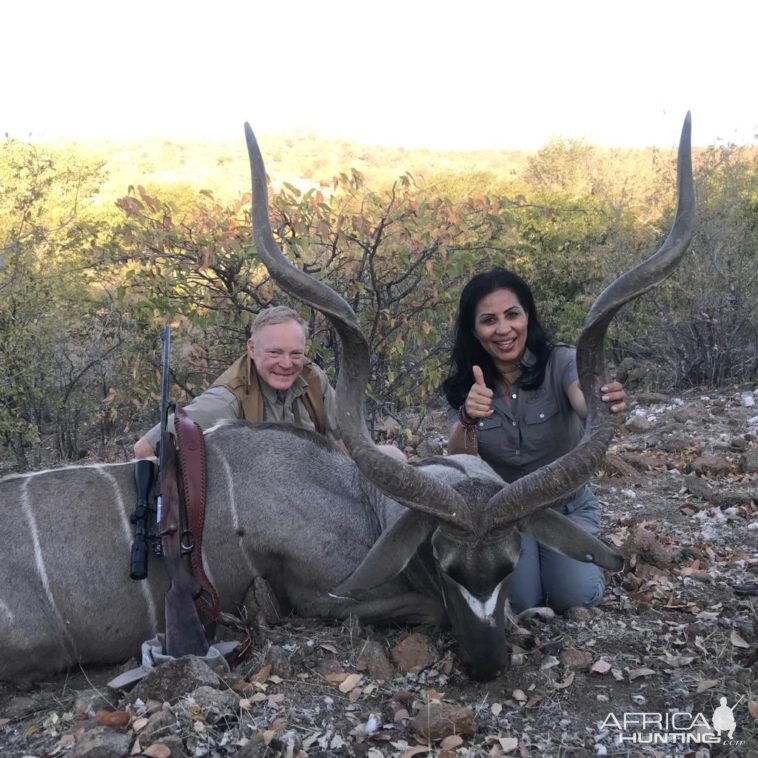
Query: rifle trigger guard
x,y
187,541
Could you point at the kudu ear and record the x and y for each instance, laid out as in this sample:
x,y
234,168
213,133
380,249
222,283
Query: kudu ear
x,y
554,530
391,553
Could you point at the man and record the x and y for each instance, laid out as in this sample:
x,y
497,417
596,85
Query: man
x,y
273,381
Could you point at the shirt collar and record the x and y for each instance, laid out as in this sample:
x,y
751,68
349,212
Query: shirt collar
x,y
299,387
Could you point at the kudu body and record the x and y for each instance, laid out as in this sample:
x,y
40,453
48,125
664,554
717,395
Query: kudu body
x,y
368,536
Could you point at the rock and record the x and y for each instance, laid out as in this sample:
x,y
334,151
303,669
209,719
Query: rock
x,y
436,721
750,462
689,413
413,653
576,660
374,661
173,679
280,660
678,441
159,726
260,603
638,425
650,398
19,707
645,545
431,445
579,613
711,464
102,742
215,705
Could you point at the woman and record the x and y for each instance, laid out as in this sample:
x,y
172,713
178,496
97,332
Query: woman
x,y
515,400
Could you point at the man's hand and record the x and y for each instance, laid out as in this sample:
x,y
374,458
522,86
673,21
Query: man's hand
x,y
143,449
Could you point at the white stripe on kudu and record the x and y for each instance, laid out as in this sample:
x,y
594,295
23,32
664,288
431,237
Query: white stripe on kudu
x,y
127,530
39,560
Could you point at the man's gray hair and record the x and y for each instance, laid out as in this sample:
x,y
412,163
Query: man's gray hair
x,y
279,314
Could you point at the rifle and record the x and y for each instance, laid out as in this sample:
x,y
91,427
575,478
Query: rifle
x,y
185,634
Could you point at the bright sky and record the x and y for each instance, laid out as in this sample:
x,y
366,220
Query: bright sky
x,y
435,73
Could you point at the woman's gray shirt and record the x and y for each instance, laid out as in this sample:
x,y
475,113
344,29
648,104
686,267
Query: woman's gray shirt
x,y
537,426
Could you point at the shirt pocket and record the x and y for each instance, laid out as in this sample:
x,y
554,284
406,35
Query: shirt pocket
x,y
497,436
542,422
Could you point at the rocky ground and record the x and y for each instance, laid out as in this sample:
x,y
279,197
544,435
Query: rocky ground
x,y
676,633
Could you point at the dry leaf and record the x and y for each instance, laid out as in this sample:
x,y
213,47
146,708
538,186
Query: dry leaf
x,y
136,748
736,639
567,682
508,744
268,736
157,750
752,708
262,674
401,715
336,677
259,697
112,718
706,684
519,695
308,741
601,667
275,679
677,661
416,750
354,694
496,709
451,742
139,724
327,646
350,682
275,700
637,673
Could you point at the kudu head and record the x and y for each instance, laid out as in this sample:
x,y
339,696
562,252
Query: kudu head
x,y
471,518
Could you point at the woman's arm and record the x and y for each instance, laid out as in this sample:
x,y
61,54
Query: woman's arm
x,y
462,439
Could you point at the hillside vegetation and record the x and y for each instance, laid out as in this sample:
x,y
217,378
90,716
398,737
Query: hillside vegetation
x,y
101,244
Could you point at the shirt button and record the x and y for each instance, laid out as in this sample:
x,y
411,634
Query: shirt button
x,y
542,415
481,424
513,395
514,423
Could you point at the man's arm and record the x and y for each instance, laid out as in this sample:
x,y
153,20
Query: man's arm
x,y
214,405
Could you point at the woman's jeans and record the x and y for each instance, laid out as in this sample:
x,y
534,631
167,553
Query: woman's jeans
x,y
545,577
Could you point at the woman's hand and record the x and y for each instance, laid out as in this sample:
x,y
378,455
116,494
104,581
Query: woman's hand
x,y
479,399
613,393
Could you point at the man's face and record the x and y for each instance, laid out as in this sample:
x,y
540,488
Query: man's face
x,y
278,351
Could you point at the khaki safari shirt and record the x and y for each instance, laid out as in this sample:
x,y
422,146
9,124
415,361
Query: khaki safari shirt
x,y
537,426
220,404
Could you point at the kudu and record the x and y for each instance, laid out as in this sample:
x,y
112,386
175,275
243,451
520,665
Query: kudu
x,y
368,536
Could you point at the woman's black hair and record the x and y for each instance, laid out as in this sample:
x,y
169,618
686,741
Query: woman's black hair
x,y
467,350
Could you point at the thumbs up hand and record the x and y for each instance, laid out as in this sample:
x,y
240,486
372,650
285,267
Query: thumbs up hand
x,y
479,399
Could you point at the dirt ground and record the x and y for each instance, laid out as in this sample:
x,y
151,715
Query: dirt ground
x,y
676,633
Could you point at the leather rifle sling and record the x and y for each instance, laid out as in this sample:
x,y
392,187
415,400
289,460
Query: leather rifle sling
x,y
193,468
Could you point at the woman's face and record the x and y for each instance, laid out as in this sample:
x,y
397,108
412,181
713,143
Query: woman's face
x,y
500,324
